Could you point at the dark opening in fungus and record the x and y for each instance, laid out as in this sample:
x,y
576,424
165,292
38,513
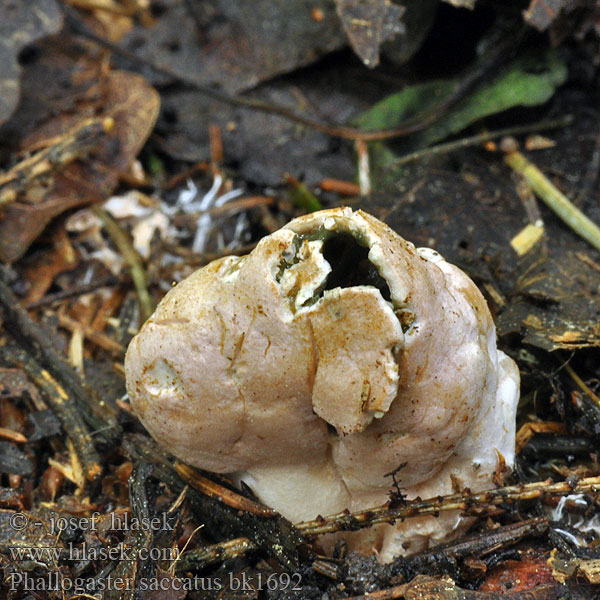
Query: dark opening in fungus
x,y
350,265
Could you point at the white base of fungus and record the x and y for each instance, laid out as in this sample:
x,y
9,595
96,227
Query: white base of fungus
x,y
322,361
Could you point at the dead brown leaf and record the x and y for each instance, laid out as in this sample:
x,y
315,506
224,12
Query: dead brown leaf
x,y
133,105
40,273
528,574
238,45
541,13
369,23
20,24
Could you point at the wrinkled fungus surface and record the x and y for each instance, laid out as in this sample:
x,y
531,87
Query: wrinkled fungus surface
x,y
316,365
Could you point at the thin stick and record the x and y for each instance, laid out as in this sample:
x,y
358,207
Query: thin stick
x,y
479,139
595,399
480,544
76,290
554,198
12,436
212,489
214,553
129,253
343,188
478,504
96,337
364,171
468,503
199,167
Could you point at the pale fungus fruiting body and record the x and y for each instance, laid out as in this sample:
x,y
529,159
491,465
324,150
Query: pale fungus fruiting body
x,y
313,367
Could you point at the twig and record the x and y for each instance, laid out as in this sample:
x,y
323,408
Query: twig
x,y
213,490
228,209
473,504
554,198
138,274
76,290
32,336
364,170
559,445
96,337
202,557
142,509
63,406
12,436
243,204
584,258
199,167
411,125
481,544
595,399
343,188
479,139
478,504
478,545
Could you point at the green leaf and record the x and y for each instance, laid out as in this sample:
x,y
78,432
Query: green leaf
x,y
303,198
528,81
398,107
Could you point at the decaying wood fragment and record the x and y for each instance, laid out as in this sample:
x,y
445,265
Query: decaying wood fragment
x,y
98,414
62,404
214,553
275,535
564,569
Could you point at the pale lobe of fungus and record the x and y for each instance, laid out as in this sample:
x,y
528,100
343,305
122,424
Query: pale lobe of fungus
x,y
316,365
